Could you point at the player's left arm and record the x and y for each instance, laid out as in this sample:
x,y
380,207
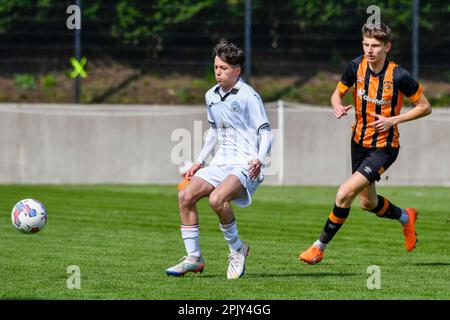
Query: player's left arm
x,y
265,145
413,90
262,126
421,109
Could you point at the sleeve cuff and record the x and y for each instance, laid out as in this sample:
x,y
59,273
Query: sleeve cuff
x,y
417,95
342,87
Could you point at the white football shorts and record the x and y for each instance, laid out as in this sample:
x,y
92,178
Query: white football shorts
x,y
215,175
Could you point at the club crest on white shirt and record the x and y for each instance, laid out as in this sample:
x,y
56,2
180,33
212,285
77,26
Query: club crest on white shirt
x,y
235,107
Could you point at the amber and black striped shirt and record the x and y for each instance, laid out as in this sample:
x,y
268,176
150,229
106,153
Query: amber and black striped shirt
x,y
381,93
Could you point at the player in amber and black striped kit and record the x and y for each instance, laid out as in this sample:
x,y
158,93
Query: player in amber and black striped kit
x,y
379,86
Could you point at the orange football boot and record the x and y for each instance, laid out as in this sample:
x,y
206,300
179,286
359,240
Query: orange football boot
x,y
312,256
408,229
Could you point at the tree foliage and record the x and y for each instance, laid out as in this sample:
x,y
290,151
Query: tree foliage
x,y
134,22
153,25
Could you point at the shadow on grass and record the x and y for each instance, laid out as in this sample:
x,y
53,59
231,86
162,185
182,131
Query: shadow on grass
x,y
289,275
431,264
309,274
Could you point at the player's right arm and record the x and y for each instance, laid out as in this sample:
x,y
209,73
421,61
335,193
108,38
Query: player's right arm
x,y
339,109
348,79
208,147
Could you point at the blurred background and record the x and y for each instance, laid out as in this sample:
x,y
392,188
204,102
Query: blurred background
x,y
121,99
159,51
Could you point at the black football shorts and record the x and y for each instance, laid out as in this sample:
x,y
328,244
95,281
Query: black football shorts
x,y
372,162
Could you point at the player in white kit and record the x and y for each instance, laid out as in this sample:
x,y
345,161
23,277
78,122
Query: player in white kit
x,y
238,121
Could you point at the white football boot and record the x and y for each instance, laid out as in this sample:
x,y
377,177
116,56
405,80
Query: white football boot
x,y
187,264
236,267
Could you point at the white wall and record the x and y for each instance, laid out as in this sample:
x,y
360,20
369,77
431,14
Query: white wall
x,y
42,143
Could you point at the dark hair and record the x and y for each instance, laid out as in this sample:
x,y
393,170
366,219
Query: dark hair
x,y
381,32
230,53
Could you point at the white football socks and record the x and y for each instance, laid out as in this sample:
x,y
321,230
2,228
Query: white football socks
x,y
404,217
230,233
320,244
190,238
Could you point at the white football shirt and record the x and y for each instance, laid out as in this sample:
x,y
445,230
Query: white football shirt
x,y
238,116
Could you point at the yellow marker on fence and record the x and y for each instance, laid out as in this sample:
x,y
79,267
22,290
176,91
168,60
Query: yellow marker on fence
x,y
78,67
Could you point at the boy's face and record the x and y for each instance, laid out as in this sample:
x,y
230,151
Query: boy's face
x,y
226,74
375,50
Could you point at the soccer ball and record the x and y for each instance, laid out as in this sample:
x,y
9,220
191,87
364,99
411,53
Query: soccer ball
x,y
29,216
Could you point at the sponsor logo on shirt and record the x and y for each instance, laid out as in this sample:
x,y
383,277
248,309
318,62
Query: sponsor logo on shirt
x,y
362,94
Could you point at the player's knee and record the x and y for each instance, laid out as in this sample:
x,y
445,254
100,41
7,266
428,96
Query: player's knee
x,y
344,196
185,198
216,201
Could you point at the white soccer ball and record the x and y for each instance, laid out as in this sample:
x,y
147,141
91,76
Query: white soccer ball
x,y
29,216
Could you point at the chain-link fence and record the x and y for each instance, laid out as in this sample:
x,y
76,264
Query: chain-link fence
x,y
176,37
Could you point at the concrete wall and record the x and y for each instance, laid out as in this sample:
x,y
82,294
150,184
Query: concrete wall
x,y
145,144
318,149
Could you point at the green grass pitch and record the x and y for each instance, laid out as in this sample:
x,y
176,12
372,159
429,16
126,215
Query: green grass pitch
x,y
124,237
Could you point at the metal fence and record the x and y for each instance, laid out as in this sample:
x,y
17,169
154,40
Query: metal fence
x,y
287,37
